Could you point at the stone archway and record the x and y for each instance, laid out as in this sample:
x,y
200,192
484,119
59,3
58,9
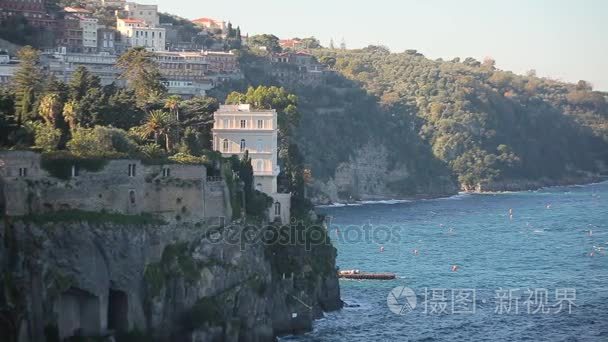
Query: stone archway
x,y
8,326
2,199
118,311
78,313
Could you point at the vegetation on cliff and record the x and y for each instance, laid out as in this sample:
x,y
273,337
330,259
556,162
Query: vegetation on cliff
x,y
465,119
486,124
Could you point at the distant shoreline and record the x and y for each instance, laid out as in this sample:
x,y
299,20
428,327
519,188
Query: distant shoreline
x,y
537,186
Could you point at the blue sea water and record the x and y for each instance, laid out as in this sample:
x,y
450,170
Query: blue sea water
x,y
546,247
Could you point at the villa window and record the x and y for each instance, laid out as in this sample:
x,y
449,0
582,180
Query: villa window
x,y
258,146
243,145
132,196
75,171
243,123
226,123
260,124
225,145
277,209
132,170
166,172
259,165
23,172
258,187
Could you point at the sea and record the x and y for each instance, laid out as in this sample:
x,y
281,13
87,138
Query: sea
x,y
510,266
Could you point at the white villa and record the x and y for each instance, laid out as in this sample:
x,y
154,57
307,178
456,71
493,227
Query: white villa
x,y
237,129
138,34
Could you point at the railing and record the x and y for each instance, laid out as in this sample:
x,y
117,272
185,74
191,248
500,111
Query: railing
x,y
214,178
255,128
263,173
238,151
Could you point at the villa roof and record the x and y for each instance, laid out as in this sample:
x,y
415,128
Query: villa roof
x,y
290,42
204,20
132,20
288,54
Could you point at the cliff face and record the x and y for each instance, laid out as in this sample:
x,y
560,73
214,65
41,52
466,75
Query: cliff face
x,y
165,282
371,175
532,184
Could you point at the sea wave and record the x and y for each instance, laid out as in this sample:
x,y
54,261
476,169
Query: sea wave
x,y
458,196
361,203
392,201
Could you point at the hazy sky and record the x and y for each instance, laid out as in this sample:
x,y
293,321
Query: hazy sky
x,y
566,40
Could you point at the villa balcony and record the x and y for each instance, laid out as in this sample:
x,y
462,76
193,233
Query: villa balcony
x,y
276,172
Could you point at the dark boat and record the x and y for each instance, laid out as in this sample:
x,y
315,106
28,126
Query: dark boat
x,y
355,274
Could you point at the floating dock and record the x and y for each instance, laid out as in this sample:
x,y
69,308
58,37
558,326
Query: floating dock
x,y
365,275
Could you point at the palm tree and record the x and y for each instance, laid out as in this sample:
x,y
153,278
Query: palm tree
x,y
172,103
70,114
158,123
49,108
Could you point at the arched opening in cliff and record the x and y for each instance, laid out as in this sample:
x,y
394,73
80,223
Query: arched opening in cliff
x,y
8,326
118,308
2,199
78,313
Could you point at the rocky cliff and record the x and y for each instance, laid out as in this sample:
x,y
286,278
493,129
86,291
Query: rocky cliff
x,y
158,282
371,174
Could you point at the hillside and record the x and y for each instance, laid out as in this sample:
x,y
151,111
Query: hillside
x,y
434,125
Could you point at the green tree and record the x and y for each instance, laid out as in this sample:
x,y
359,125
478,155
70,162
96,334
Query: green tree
x,y
120,109
81,83
7,117
311,43
268,41
27,82
101,141
46,136
142,74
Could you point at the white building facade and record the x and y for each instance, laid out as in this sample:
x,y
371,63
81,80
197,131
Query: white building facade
x,y
147,13
89,28
238,128
138,34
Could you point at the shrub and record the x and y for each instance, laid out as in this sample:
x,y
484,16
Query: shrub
x,y
59,164
101,142
152,152
183,158
46,136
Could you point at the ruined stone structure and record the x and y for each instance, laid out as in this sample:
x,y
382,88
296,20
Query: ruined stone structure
x,y
174,191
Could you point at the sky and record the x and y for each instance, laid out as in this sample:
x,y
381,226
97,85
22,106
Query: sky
x,y
564,40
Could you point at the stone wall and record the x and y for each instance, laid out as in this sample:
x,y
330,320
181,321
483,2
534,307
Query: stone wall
x,y
176,192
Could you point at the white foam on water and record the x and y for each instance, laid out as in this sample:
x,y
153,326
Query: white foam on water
x,y
392,201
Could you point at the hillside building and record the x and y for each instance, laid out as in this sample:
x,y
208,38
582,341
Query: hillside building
x,y
147,13
136,33
210,24
239,128
62,64
35,11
